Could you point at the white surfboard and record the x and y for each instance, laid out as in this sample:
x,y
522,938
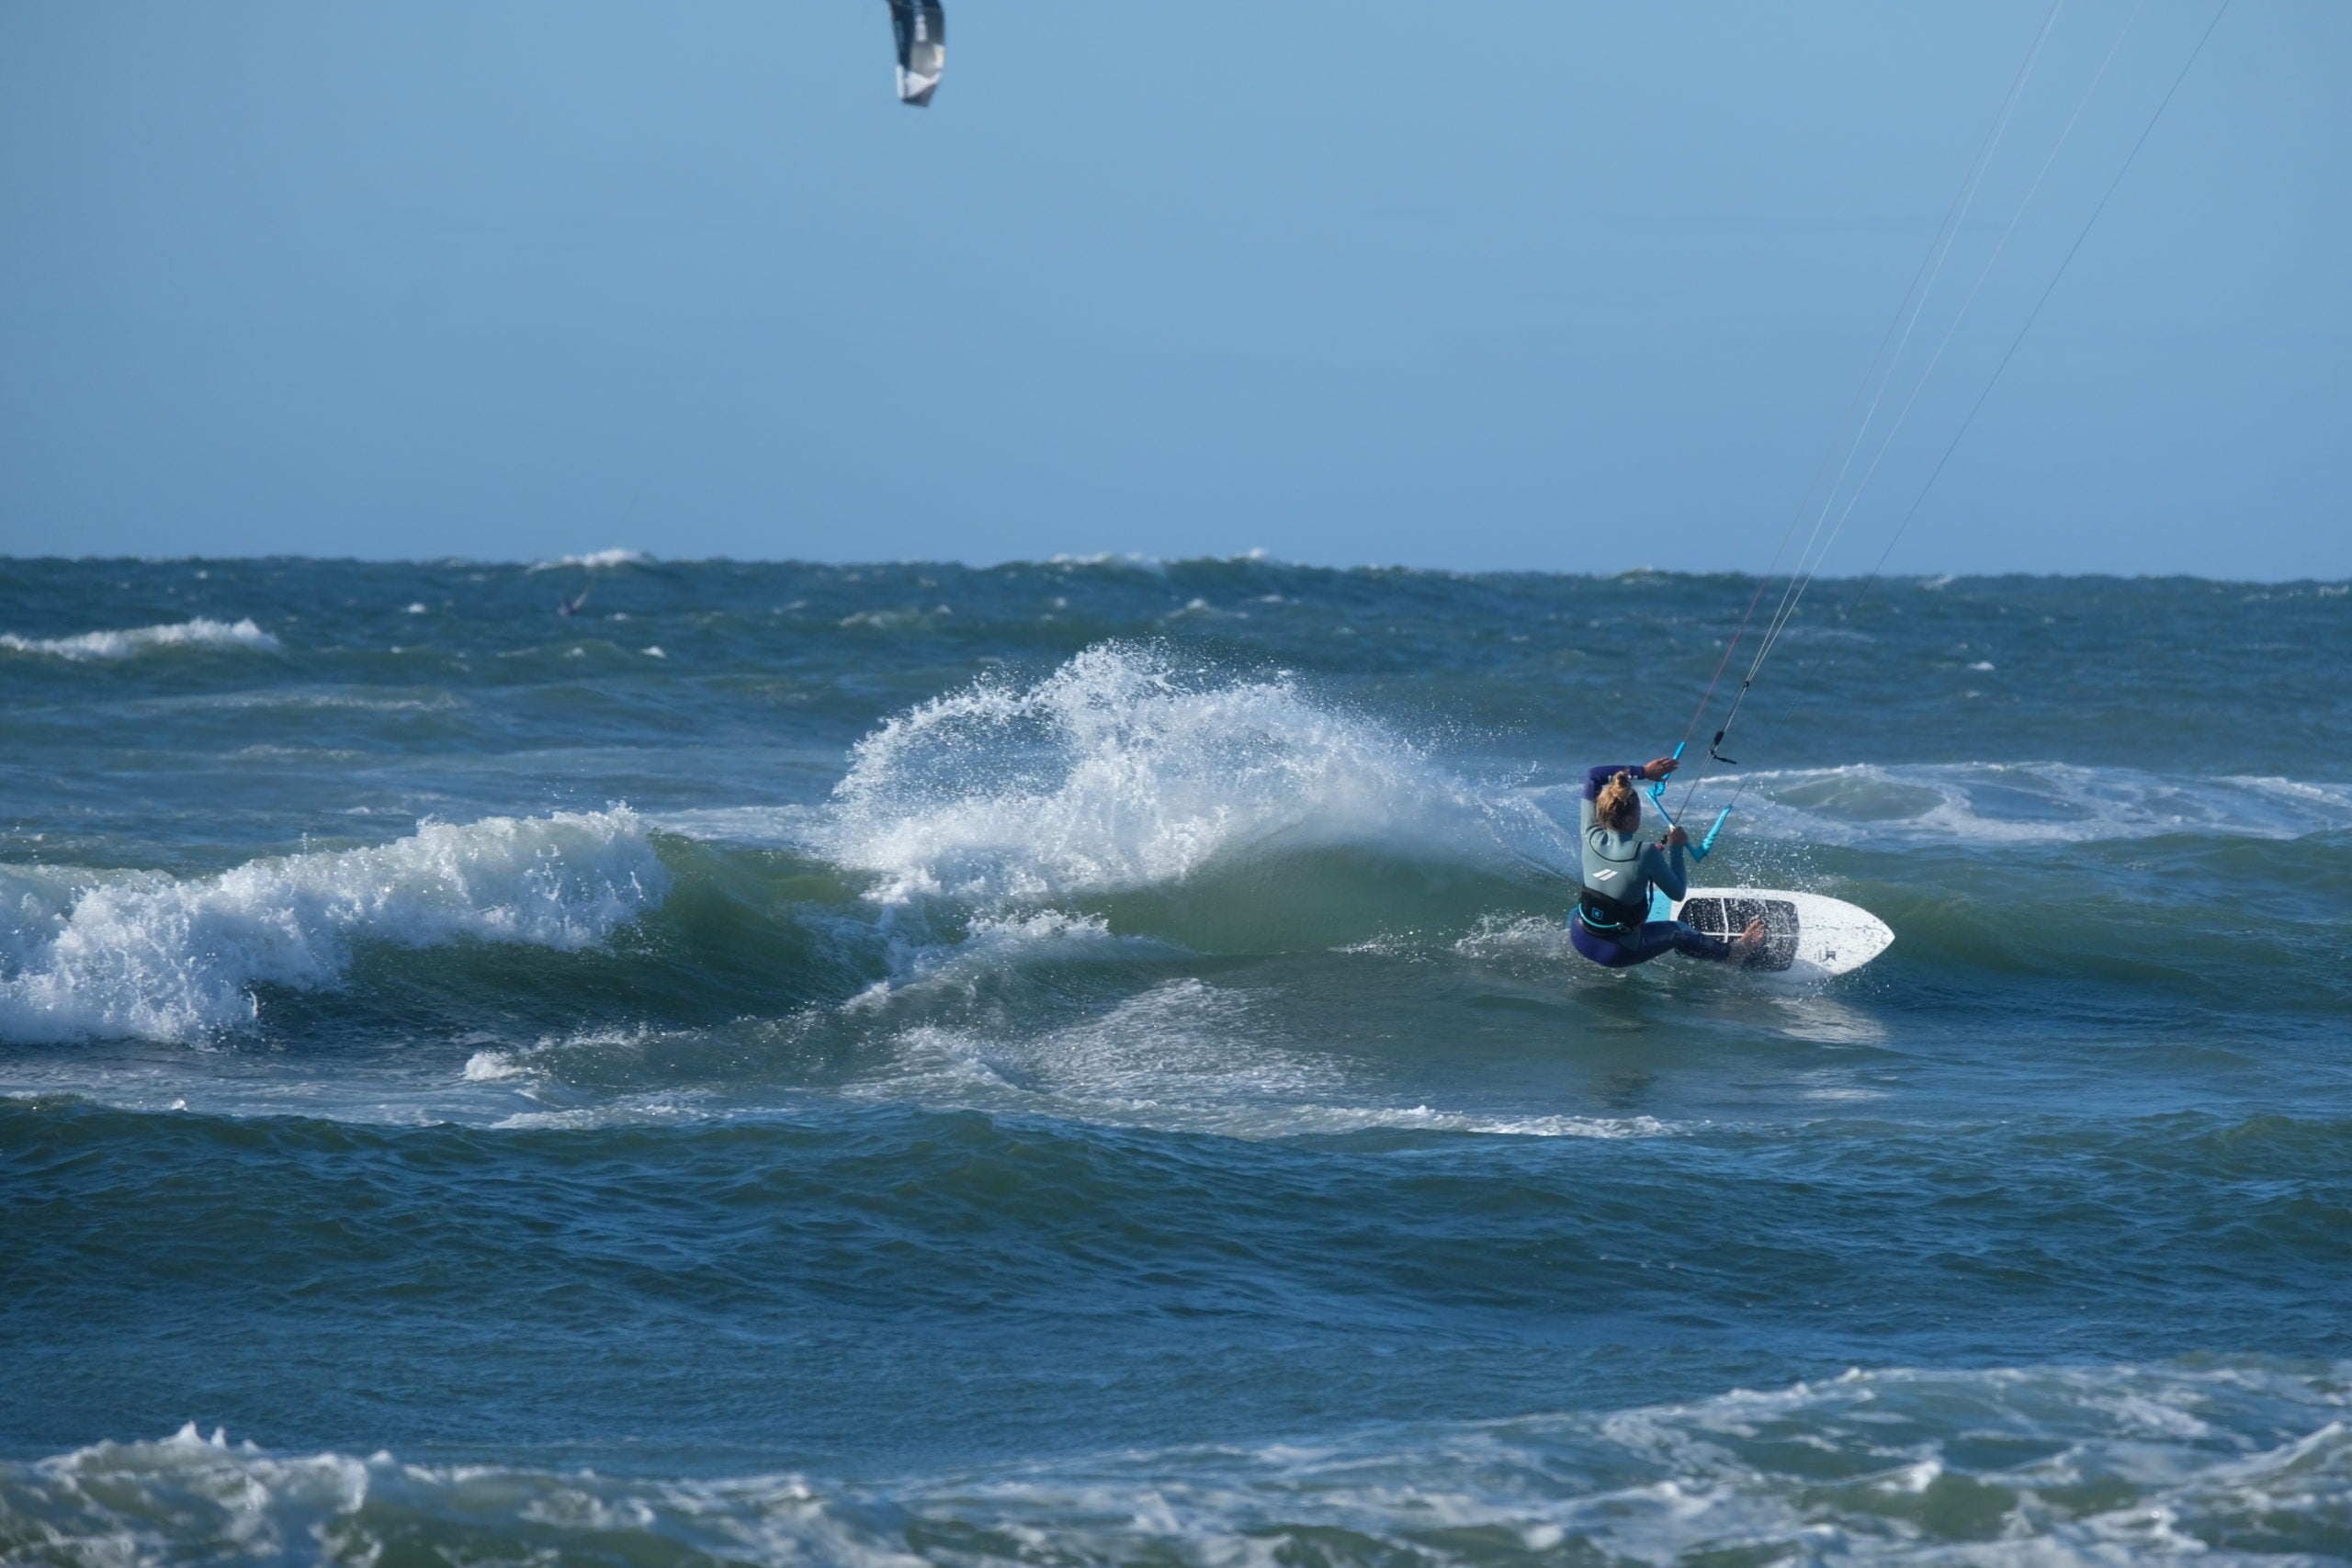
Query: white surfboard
x,y
1809,935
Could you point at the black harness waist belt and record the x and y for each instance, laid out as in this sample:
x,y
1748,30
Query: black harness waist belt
x,y
1603,914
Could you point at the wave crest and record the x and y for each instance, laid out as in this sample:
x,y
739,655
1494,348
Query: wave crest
x,y
1125,769
157,957
596,558
2058,1465
137,640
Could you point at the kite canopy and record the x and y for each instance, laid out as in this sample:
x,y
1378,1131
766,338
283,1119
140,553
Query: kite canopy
x,y
921,27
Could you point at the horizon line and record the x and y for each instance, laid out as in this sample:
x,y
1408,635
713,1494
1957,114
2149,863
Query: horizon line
x,y
615,559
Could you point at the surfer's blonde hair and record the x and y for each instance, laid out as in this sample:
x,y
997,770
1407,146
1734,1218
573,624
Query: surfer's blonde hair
x,y
1617,808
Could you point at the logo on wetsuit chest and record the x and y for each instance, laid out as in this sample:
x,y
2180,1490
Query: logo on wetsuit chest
x,y
1604,875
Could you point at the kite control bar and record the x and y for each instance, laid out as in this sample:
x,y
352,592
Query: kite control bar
x,y
1657,798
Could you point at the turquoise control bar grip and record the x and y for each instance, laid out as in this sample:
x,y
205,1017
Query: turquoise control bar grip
x,y
1699,851
1657,790
1657,797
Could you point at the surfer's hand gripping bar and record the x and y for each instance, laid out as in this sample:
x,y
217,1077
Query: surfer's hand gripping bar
x,y
1657,798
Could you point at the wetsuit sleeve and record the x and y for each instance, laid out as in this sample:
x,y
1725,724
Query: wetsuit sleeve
x,y
1664,872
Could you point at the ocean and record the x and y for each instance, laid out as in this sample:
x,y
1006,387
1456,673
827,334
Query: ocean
x,y
1080,1062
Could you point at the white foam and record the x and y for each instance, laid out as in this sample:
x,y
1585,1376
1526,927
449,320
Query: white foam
x,y
1424,1118
765,826
2031,803
299,699
594,558
36,901
187,1498
1127,769
993,945
494,1067
1112,557
1202,610
1159,564
913,618
147,639
2057,1465
1188,1057
669,1109
157,957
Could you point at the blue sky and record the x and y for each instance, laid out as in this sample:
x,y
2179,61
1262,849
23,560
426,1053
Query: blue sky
x,y
1565,286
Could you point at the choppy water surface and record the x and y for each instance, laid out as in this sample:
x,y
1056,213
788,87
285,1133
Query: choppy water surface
x,y
1080,1063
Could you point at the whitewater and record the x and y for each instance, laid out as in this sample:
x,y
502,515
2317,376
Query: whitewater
x,y
1080,1062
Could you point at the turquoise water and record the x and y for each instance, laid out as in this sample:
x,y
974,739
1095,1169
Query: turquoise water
x,y
1079,1062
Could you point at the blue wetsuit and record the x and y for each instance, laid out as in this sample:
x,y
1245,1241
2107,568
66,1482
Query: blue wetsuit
x,y
1640,866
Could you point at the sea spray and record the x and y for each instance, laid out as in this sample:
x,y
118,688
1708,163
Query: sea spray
x,y
1129,767
158,958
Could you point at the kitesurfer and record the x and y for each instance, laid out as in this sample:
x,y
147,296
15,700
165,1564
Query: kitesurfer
x,y
1612,924
921,27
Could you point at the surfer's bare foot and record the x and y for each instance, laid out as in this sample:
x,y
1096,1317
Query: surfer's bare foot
x,y
1749,943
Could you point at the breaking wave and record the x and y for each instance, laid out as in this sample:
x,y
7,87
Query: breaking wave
x,y
596,558
1127,769
2209,1462
146,639
158,958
